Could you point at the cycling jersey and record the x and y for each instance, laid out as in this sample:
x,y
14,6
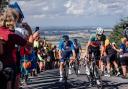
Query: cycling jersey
x,y
77,47
95,42
66,48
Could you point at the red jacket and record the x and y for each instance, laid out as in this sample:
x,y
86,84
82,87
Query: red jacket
x,y
12,39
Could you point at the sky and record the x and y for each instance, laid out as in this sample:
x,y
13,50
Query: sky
x,y
76,13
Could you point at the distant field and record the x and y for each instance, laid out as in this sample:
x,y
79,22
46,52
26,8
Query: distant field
x,y
53,35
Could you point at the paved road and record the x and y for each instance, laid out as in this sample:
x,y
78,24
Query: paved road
x,y
49,80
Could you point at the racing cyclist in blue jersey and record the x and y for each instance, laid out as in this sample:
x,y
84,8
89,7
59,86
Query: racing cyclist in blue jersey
x,y
66,51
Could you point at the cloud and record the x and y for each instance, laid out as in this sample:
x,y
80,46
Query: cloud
x,y
73,7
49,9
96,7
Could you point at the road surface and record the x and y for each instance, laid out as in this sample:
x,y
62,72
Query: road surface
x,y
49,80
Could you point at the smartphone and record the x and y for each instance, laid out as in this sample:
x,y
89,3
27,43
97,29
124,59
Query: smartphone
x,y
37,29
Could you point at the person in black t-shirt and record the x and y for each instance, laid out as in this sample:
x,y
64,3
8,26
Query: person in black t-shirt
x,y
110,57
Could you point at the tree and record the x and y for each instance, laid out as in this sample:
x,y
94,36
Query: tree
x,y
117,33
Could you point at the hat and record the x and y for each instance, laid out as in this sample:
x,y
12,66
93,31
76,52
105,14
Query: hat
x,y
17,8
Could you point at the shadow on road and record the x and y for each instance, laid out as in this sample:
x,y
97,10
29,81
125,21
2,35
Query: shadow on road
x,y
115,85
49,80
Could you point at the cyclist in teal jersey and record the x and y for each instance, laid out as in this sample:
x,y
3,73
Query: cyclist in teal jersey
x,y
95,45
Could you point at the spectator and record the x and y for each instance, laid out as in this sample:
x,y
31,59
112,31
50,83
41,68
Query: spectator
x,y
123,55
11,40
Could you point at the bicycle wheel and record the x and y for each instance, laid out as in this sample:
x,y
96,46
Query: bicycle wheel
x,y
66,68
76,67
98,79
89,74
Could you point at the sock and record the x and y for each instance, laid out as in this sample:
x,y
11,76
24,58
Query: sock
x,y
117,70
61,74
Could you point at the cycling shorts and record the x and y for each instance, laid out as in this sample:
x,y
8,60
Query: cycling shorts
x,y
65,55
124,61
95,50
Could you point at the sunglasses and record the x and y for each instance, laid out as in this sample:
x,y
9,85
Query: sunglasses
x,y
99,35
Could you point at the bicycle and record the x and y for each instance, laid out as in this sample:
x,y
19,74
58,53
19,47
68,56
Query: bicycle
x,y
94,76
76,66
65,72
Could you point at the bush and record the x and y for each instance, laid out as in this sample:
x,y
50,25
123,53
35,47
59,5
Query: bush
x,y
117,33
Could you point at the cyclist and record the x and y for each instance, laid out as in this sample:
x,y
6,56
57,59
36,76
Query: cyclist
x,y
78,50
66,51
95,46
96,43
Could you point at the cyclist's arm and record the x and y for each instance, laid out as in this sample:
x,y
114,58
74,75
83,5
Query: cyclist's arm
x,y
73,51
102,51
73,54
86,49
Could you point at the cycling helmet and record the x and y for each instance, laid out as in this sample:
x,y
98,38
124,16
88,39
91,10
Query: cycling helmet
x,y
65,37
93,38
75,40
99,31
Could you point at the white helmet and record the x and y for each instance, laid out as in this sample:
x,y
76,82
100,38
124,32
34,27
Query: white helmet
x,y
99,31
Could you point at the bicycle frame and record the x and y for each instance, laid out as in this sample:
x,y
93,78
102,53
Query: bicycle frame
x,y
94,72
66,67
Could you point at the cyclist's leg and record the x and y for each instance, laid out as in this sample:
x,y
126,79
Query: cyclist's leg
x,y
61,68
89,58
65,55
78,62
70,61
97,56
